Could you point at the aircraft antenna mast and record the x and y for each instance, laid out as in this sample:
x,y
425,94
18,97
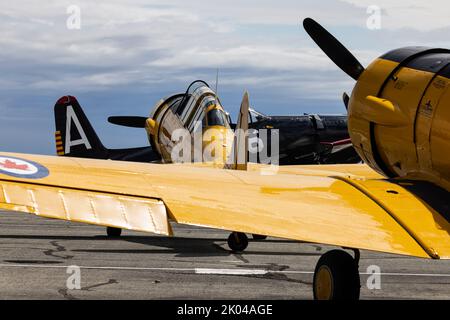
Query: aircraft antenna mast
x,y
217,83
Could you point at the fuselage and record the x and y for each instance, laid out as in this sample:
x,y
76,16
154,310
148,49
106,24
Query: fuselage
x,y
399,115
300,137
195,120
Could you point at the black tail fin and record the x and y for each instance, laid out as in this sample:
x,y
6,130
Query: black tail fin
x,y
74,134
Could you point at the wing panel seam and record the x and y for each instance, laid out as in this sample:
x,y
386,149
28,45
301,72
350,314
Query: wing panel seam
x,y
410,232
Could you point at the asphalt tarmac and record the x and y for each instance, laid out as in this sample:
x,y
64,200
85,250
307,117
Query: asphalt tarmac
x,y
196,264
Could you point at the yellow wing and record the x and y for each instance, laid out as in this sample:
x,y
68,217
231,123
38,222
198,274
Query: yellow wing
x,y
322,204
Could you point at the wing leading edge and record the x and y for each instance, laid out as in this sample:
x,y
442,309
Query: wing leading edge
x,y
336,209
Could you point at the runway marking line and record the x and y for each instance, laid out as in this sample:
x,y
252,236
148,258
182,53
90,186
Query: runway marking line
x,y
240,272
211,271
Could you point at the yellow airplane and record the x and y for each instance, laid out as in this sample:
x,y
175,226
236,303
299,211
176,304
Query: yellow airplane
x,y
208,139
398,122
197,113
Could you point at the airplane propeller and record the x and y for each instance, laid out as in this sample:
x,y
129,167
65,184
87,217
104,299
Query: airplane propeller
x,y
339,54
128,121
346,99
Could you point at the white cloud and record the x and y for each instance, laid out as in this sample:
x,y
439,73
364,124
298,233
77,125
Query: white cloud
x,y
415,14
259,57
139,42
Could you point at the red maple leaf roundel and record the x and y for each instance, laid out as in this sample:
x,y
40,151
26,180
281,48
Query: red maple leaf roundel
x,y
8,164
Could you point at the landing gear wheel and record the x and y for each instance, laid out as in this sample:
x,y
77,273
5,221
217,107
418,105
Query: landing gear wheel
x,y
113,232
336,277
238,241
259,237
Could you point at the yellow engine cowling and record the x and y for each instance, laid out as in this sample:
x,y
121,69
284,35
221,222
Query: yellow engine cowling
x,y
399,115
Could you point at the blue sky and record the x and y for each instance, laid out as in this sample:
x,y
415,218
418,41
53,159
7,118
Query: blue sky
x,y
129,54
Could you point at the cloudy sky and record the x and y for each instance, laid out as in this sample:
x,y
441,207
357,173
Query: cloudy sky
x,y
130,53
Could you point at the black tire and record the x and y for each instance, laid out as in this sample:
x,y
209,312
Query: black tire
x,y
336,277
259,237
113,232
237,241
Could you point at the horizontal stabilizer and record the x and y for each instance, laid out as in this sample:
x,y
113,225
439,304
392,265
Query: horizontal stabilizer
x,y
128,121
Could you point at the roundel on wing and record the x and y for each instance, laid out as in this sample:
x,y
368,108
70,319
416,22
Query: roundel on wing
x,y
21,168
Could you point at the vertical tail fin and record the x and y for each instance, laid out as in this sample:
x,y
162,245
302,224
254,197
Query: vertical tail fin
x,y
74,134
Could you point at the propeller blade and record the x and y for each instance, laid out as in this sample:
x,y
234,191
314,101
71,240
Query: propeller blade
x,y
128,121
346,99
333,48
